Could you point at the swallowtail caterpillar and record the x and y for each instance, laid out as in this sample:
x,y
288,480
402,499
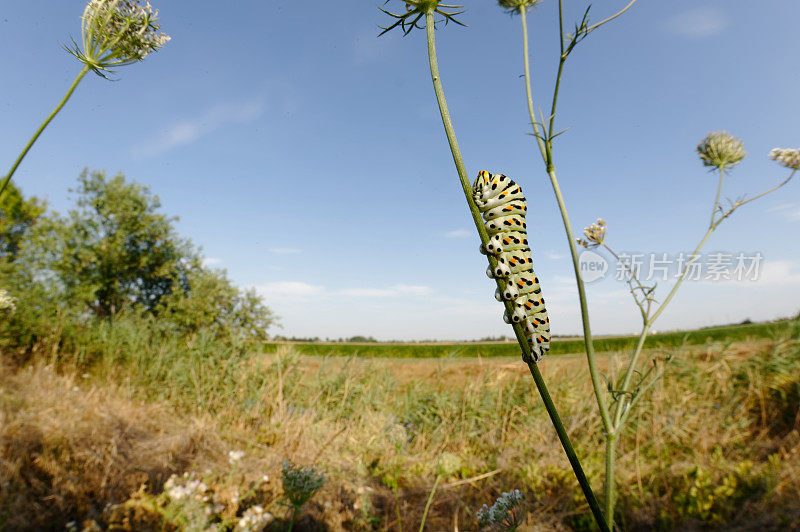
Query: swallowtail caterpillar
x,y
503,207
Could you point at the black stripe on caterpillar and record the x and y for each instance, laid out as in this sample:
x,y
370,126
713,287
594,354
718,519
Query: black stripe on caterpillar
x,y
503,207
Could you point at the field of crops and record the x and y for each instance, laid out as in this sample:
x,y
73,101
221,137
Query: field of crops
x,y
729,333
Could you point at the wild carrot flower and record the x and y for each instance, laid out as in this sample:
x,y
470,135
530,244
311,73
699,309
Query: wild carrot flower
x,y
595,234
235,456
513,6
448,465
300,483
117,33
7,303
788,157
415,12
254,518
720,149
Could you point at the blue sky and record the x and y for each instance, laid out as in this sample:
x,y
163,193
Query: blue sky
x,y
306,156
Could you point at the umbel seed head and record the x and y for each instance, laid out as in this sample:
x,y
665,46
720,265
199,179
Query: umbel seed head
x,y
514,6
720,149
117,33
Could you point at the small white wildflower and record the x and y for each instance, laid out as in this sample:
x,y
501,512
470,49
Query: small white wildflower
x,y
235,456
595,234
788,157
254,519
265,479
7,303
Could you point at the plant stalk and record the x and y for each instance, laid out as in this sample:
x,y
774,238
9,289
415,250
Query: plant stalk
x,y
546,148
716,200
428,503
609,493
478,220
38,132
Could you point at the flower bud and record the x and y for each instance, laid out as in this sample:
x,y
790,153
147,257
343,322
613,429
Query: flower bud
x,y
595,234
720,149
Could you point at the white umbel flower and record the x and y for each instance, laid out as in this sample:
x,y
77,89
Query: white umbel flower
x,y
788,157
117,33
7,303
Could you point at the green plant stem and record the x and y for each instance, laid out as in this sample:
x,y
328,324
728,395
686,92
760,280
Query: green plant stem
x,y
38,132
529,84
519,333
397,506
546,149
716,200
291,519
609,494
588,494
428,503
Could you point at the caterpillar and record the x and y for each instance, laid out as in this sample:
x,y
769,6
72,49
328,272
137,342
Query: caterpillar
x,y
503,207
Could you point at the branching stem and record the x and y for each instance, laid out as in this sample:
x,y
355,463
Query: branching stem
x,y
518,331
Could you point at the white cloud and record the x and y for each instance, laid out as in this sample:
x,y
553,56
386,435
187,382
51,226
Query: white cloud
x,y
299,290
789,211
778,272
392,291
289,290
413,290
552,255
284,251
188,131
211,261
699,22
457,233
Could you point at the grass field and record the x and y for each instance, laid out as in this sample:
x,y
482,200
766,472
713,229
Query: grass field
x,y
716,445
728,333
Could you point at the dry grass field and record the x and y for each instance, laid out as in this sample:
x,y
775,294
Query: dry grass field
x,y
716,443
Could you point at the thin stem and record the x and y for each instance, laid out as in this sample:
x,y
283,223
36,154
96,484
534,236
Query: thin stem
x,y
397,506
529,84
745,202
623,406
609,491
612,17
38,132
594,505
428,504
594,372
587,332
716,200
477,218
639,286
